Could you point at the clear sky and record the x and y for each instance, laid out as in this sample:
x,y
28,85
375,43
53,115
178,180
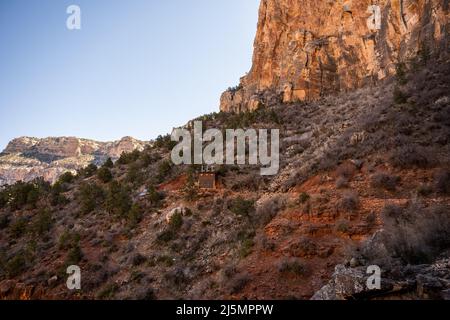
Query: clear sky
x,y
137,67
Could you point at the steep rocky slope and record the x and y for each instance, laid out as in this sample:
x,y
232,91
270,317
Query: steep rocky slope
x,y
306,49
27,158
364,179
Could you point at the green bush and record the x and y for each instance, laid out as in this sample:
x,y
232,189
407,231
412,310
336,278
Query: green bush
x,y
108,292
399,96
89,171
68,240
165,142
246,247
108,163
291,265
417,234
118,200
148,157
342,226
56,195
154,196
304,197
43,222
74,255
129,157
67,177
104,174
134,175
134,216
166,236
18,227
164,169
235,88
16,265
410,156
241,206
190,190
90,195
401,73
176,221
382,180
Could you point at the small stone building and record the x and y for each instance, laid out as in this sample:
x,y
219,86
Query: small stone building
x,y
207,180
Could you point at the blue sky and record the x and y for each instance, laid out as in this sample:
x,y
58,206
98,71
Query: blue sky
x,y
137,67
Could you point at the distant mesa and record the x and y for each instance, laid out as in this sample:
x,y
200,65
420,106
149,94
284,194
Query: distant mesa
x,y
27,158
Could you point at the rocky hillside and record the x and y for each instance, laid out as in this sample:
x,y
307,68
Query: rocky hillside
x,y
306,49
364,180
25,158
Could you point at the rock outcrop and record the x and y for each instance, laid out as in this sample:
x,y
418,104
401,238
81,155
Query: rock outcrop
x,y
305,49
411,282
27,158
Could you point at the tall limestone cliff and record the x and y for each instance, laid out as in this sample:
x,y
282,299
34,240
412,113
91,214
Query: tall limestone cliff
x,y
305,49
28,158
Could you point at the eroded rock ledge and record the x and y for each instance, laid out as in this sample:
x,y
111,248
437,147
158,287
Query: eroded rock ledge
x,y
305,49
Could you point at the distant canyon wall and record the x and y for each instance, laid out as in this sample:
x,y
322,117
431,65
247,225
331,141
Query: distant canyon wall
x,y
27,158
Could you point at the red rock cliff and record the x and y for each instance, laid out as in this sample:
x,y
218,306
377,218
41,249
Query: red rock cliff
x,y
306,48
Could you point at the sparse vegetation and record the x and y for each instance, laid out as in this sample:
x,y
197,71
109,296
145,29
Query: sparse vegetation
x,y
154,196
68,240
415,234
246,247
176,221
268,210
190,189
343,226
88,171
401,73
43,222
381,180
238,282
411,156
108,291
134,216
291,265
341,183
241,207
304,197
56,195
18,227
350,201
16,265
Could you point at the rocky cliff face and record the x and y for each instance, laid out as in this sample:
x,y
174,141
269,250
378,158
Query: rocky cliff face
x,y
305,49
27,158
